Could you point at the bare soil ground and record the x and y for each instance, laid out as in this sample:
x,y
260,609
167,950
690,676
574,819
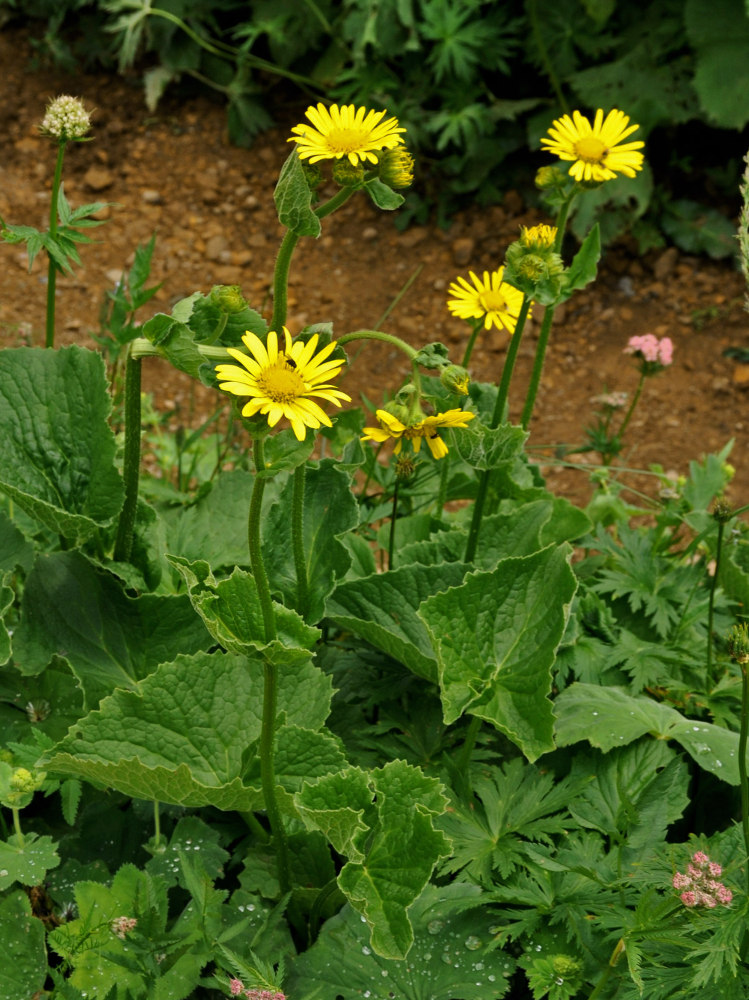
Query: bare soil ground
x,y
174,173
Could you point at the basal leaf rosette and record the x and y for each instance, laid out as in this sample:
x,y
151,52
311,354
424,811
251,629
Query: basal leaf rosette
x,y
596,151
281,383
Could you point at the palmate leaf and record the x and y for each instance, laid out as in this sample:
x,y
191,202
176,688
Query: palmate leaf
x,y
22,935
516,803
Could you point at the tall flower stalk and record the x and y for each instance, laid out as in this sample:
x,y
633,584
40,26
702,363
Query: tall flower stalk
x,y
131,461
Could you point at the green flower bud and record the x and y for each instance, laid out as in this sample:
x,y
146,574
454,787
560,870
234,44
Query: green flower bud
x,y
22,780
729,471
400,410
738,643
228,298
397,167
313,174
566,966
550,177
455,378
722,511
404,467
348,175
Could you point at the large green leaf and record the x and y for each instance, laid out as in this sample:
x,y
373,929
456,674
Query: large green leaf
x,y
391,861
72,610
185,735
25,971
233,614
496,637
383,610
57,457
330,510
26,859
15,550
719,32
609,717
214,527
452,956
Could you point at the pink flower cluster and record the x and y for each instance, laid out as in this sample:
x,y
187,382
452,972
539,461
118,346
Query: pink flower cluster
x,y
236,987
651,349
701,883
122,926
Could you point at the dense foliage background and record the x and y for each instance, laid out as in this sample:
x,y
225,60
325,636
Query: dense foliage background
x,y
476,82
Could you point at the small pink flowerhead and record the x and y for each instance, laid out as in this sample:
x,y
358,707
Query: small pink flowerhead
x,y
700,858
681,881
715,869
666,351
656,354
235,987
723,895
689,898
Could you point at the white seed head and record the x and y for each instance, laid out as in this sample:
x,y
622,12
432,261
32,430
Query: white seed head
x,y
66,118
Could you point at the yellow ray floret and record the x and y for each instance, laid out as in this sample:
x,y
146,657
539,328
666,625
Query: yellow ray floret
x,y
425,429
280,383
345,131
596,151
487,297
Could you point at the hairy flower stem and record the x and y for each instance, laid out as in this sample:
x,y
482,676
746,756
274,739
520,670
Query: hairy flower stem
x,y
466,752
711,608
477,325
156,823
743,780
499,409
393,517
543,336
49,340
297,540
285,253
270,675
131,462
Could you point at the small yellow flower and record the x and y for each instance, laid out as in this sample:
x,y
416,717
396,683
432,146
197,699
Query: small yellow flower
x,y
538,237
281,383
345,131
425,429
397,167
489,297
595,150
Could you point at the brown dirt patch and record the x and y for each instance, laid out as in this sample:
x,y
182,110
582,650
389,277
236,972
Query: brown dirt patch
x,y
211,206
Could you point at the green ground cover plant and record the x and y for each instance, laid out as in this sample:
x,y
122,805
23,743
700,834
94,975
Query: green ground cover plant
x,y
471,79
353,705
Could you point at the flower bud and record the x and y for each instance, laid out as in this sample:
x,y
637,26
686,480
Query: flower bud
x,y
549,177
65,119
22,780
456,379
404,467
228,298
738,643
538,238
722,511
348,175
313,174
397,167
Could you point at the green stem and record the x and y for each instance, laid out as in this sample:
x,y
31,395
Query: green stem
x,y
543,336
632,405
442,493
743,781
131,463
17,825
257,563
255,826
297,540
538,364
315,914
270,676
711,601
51,265
285,253
499,408
477,326
393,516
387,338
156,823
606,975
466,752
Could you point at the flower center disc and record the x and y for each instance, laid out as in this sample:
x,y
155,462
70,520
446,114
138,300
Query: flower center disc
x,y
346,140
590,150
281,384
493,301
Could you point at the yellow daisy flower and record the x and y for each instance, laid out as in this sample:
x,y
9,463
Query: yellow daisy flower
x,y
595,150
489,297
425,429
345,131
281,383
